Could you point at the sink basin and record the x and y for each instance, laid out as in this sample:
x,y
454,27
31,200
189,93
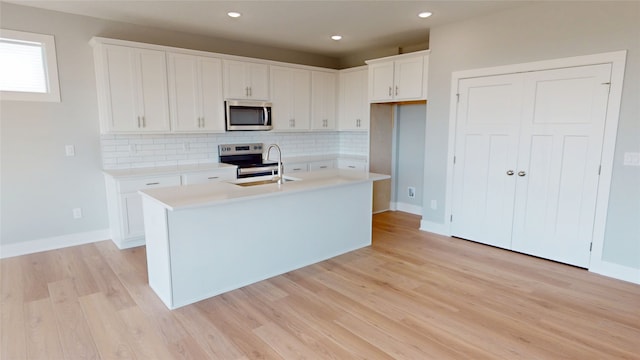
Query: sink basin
x,y
264,181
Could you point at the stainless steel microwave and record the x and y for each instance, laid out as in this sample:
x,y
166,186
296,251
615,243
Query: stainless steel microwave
x,y
248,115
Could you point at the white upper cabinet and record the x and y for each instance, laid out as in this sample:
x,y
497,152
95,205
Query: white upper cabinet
x,y
132,85
354,105
398,78
195,93
323,100
291,97
246,80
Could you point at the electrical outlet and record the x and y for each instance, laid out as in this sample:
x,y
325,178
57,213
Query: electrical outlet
x,y
631,159
434,204
77,213
411,192
70,150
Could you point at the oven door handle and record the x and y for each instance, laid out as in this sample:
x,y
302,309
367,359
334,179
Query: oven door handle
x,y
255,170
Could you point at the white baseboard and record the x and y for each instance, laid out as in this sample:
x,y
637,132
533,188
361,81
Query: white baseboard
x,y
412,209
616,271
52,243
436,228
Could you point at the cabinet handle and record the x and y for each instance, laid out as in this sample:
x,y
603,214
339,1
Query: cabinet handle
x,y
213,177
144,122
323,167
203,121
297,169
139,121
389,90
246,91
510,172
396,90
351,167
153,183
521,173
250,91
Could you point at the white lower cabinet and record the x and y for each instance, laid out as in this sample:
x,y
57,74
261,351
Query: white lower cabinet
x,y
126,219
125,207
202,177
321,165
351,164
292,168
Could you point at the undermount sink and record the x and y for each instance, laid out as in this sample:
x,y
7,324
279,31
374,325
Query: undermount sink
x,y
265,181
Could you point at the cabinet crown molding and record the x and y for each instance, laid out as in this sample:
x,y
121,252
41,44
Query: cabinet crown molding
x,y
398,57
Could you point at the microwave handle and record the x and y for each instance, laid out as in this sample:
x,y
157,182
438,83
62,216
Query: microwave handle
x,y
265,116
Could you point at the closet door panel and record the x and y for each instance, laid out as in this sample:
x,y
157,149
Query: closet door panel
x,y
486,147
560,148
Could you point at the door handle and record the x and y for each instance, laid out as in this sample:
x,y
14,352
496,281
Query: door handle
x,y
510,172
521,173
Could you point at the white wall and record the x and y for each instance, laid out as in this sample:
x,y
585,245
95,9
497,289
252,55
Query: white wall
x,y
40,186
545,30
410,125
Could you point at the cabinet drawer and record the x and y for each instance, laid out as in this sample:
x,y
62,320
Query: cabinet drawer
x,y
208,176
148,183
321,165
352,165
291,168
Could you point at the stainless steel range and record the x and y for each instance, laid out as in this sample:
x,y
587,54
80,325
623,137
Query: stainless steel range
x,y
248,158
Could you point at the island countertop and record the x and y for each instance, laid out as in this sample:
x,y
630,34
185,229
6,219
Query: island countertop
x,y
201,195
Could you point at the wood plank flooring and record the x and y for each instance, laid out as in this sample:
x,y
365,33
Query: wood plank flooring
x,y
411,295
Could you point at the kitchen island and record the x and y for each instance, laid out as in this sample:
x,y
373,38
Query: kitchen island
x,y
206,239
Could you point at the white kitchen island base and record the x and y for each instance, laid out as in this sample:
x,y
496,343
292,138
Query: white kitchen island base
x,y
197,252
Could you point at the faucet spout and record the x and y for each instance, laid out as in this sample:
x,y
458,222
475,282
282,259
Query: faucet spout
x,y
280,174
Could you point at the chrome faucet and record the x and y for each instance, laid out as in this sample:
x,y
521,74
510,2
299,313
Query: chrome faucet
x,y
280,174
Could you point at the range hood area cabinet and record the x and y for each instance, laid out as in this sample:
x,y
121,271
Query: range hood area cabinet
x,y
399,78
246,80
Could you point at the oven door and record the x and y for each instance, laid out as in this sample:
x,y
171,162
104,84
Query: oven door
x,y
245,172
248,115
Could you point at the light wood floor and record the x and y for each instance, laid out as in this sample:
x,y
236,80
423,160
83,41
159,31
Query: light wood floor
x,y
412,295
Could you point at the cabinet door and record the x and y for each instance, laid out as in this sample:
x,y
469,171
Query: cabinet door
x,y
354,105
258,81
211,99
122,89
408,78
236,83
381,81
184,92
153,94
132,216
323,107
290,97
245,80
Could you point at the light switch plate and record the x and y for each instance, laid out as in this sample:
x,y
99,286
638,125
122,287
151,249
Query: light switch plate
x,y
70,150
631,159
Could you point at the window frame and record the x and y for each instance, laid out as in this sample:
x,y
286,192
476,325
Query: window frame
x,y
50,64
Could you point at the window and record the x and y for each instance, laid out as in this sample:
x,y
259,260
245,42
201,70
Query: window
x,y
28,68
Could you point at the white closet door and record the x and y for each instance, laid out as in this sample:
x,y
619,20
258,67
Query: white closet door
x,y
486,150
559,155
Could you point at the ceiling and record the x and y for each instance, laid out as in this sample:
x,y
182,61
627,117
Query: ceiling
x,y
301,25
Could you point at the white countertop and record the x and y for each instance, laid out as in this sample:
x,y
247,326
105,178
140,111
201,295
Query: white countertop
x,y
209,194
165,170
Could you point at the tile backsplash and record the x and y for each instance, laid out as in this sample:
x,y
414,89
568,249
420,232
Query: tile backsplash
x,y
134,151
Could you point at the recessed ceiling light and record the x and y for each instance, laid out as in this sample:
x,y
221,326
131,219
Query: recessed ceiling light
x,y
424,14
234,14
336,37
